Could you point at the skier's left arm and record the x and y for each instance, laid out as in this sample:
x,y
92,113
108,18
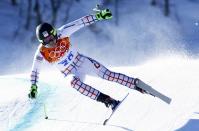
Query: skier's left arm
x,y
38,60
70,28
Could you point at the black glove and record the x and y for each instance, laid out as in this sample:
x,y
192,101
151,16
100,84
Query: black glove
x,y
33,92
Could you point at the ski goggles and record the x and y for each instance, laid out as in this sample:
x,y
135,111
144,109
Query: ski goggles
x,y
48,39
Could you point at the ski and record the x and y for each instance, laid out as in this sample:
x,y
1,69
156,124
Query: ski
x,y
152,91
112,113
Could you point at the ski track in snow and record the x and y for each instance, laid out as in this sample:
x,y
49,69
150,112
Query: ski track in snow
x,y
67,110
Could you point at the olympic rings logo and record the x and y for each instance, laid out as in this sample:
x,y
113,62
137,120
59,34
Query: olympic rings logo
x,y
59,50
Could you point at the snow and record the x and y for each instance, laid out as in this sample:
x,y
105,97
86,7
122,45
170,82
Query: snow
x,y
162,51
174,76
142,29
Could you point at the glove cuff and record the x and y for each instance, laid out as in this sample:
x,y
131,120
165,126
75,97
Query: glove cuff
x,y
34,86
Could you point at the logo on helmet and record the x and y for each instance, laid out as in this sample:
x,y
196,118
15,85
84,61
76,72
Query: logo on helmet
x,y
45,33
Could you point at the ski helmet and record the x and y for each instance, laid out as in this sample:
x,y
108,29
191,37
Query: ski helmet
x,y
46,33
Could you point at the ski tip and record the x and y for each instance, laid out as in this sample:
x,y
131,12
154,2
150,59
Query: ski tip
x,y
169,101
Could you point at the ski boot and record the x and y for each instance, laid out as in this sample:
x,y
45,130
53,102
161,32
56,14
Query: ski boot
x,y
136,81
108,101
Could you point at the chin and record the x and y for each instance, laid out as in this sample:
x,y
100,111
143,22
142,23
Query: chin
x,y
51,45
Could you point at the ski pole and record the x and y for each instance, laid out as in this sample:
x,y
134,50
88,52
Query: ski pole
x,y
97,8
45,113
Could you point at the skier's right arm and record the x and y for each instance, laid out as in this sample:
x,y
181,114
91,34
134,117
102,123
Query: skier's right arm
x,y
38,59
70,28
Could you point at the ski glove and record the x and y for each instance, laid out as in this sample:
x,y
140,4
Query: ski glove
x,y
104,14
33,91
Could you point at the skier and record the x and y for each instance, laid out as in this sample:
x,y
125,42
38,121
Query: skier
x,y
57,49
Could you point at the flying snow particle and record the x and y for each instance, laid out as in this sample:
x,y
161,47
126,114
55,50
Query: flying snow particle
x,y
197,23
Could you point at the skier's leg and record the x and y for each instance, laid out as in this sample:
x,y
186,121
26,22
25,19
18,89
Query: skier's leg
x,y
98,69
84,89
120,78
76,83
93,93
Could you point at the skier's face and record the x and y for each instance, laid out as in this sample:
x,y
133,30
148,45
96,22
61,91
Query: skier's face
x,y
50,41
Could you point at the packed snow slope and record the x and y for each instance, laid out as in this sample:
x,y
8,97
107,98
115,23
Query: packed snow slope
x,y
176,76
